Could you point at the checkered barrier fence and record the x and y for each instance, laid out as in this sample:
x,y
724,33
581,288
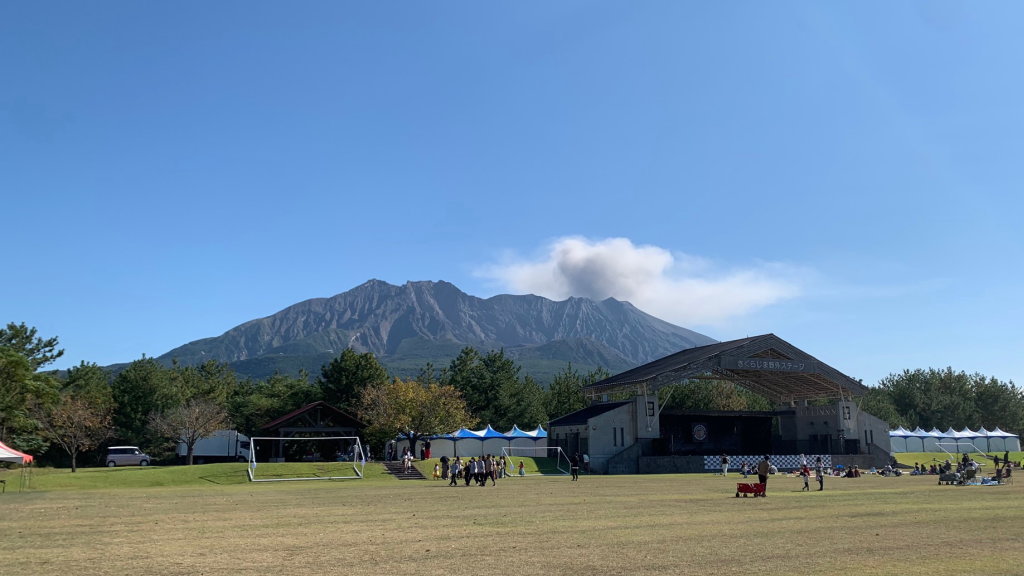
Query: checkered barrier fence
x,y
781,461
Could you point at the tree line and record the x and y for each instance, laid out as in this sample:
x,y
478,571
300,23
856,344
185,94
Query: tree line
x,y
65,416
944,398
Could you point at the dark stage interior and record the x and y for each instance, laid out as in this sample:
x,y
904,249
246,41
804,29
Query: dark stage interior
x,y
693,433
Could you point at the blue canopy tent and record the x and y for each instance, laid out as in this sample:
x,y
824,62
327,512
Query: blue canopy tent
x,y
527,438
515,433
492,441
461,434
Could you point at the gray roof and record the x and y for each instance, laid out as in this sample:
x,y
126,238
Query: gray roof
x,y
766,365
580,417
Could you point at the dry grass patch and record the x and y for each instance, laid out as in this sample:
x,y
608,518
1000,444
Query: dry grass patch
x,y
671,524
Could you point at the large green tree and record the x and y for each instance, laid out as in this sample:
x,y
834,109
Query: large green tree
x,y
997,404
22,385
254,403
342,379
211,380
16,376
89,381
144,387
480,380
198,405
565,394
462,372
878,403
934,398
24,340
412,410
520,402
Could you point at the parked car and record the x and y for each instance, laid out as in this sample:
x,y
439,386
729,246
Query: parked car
x,y
126,456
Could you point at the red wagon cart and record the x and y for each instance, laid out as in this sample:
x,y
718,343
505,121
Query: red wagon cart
x,y
755,488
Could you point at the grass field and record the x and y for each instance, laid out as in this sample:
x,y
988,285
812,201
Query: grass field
x,y
210,520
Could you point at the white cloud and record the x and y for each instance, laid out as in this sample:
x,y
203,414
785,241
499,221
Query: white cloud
x,y
680,288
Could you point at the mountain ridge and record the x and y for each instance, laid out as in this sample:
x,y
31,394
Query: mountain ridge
x,y
401,323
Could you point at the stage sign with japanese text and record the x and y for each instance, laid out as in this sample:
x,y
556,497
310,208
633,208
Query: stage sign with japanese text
x,y
773,364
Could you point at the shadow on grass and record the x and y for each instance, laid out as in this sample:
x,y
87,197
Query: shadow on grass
x,y
227,478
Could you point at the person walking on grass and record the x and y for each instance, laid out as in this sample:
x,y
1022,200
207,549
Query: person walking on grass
x,y
454,472
574,465
819,471
805,472
762,472
725,465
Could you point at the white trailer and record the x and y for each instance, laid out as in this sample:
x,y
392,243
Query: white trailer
x,y
221,446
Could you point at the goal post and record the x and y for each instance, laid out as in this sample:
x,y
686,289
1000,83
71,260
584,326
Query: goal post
x,y
548,461
305,458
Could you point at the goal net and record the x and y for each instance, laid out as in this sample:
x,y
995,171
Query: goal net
x,y
318,458
545,461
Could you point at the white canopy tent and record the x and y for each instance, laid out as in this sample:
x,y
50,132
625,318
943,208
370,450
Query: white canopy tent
x,y
953,441
898,440
1005,441
916,440
982,441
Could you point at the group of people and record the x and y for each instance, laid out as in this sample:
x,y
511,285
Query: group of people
x,y
819,473
921,469
746,469
851,472
764,468
391,452
478,470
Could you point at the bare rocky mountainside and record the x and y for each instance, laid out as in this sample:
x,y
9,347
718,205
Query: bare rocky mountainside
x,y
407,326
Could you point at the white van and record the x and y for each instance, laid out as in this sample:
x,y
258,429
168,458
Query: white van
x,y
126,456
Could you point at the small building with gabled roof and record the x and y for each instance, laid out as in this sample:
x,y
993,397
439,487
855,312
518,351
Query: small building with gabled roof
x,y
315,420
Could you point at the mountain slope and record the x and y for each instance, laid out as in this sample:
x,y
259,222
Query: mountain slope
x,y
409,325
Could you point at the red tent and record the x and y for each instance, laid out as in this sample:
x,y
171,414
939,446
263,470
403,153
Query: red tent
x,y
8,454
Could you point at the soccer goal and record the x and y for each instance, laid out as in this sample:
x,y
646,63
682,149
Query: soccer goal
x,y
317,458
953,448
547,461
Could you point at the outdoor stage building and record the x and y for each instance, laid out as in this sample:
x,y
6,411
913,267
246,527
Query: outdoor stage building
x,y
626,431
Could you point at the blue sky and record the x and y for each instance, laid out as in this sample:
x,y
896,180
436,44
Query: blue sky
x,y
846,174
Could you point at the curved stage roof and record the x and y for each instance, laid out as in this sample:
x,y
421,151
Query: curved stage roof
x,y
766,365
